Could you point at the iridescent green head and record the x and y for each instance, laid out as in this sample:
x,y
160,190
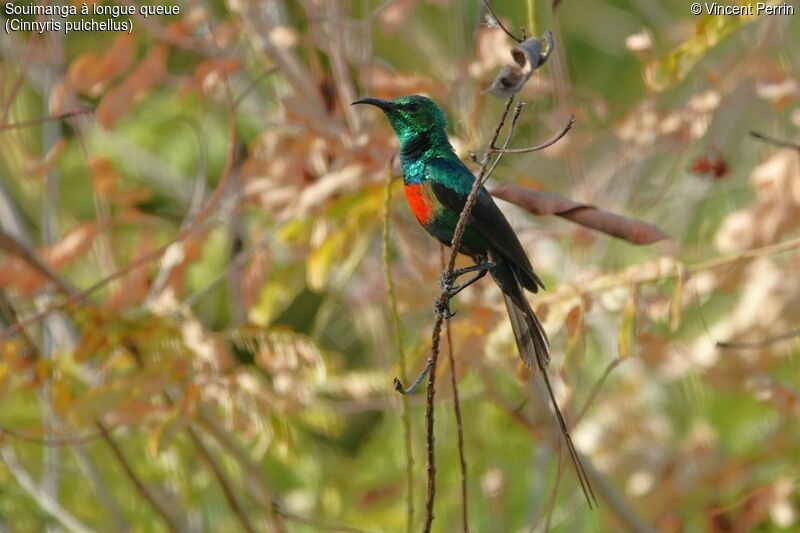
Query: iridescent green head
x,y
410,116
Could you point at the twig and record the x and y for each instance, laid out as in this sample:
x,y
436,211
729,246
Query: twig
x,y
252,85
405,414
459,424
607,283
249,467
557,137
500,24
169,520
96,482
146,259
318,526
84,110
50,440
339,66
437,327
596,390
752,253
514,118
551,500
615,501
205,454
738,345
222,481
18,249
774,141
42,498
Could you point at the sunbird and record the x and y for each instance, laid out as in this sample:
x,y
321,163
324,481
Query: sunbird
x,y
437,184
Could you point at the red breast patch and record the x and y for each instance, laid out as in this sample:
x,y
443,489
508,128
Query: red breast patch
x,y
420,202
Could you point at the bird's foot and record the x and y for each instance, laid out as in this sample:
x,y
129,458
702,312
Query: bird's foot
x,y
447,282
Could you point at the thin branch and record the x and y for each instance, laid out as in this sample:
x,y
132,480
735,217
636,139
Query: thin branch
x,y
339,66
222,481
459,424
405,414
437,327
514,118
8,312
551,500
616,502
50,440
772,140
202,450
557,137
500,24
596,390
318,526
252,85
739,345
252,470
42,498
752,253
610,282
83,110
96,482
146,259
14,247
169,520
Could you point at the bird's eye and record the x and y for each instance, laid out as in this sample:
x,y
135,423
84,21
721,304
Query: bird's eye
x,y
413,107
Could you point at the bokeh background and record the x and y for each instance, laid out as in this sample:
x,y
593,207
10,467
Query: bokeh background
x,y
197,327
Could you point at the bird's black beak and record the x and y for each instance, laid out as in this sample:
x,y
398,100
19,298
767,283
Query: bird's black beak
x,y
384,105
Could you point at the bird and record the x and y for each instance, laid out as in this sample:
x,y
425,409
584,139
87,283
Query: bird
x,y
436,185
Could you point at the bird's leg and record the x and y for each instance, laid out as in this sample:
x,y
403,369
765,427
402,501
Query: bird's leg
x,y
458,288
446,282
442,303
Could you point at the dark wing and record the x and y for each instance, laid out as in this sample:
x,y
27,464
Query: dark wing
x,y
451,182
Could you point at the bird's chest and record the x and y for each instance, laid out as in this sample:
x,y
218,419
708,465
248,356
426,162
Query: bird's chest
x,y
421,202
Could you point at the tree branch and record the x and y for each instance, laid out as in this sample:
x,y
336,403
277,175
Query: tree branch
x,y
43,499
169,520
557,137
437,327
772,140
459,424
734,345
496,20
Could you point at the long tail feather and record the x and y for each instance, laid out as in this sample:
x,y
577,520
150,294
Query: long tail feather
x,y
534,349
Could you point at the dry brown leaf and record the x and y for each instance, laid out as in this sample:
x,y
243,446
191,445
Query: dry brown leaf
x,y
544,204
39,168
528,56
91,72
209,75
75,243
389,84
102,175
136,283
395,15
147,73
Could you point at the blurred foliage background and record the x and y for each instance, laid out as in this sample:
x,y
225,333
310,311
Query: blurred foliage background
x,y
197,333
